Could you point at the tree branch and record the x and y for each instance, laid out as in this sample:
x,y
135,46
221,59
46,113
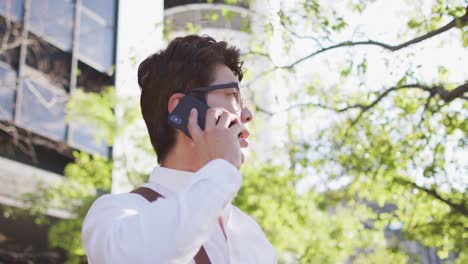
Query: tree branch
x,y
292,32
461,208
445,95
426,106
257,53
449,96
441,91
456,22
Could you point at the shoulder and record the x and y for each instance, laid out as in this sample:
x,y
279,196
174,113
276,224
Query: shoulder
x,y
252,233
246,219
123,202
120,198
249,225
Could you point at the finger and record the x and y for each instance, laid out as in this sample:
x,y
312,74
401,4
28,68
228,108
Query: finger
x,y
193,127
226,119
212,116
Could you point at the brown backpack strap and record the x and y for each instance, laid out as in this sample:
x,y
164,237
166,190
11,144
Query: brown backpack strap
x,y
201,257
147,193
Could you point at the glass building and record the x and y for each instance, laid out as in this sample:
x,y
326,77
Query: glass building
x,y
48,50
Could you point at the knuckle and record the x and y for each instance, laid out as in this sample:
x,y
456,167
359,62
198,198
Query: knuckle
x,y
210,111
233,116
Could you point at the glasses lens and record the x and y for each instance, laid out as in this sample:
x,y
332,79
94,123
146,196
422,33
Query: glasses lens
x,y
239,102
243,98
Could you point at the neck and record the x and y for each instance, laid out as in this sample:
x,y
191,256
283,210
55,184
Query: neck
x,y
182,157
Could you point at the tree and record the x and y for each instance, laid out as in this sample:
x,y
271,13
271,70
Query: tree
x,y
396,143
391,145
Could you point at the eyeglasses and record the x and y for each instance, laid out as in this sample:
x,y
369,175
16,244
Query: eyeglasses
x,y
240,96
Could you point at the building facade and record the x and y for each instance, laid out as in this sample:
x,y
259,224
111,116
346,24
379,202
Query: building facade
x,y
48,50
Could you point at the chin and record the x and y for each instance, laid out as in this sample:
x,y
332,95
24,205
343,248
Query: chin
x,y
243,155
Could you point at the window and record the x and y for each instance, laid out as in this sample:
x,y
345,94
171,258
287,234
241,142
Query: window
x,y
7,92
44,92
103,8
83,136
96,46
42,109
52,62
12,8
53,20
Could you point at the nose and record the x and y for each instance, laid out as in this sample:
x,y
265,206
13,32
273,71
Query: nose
x,y
246,115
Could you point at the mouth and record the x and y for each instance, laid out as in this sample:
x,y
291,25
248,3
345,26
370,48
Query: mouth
x,y
244,143
243,139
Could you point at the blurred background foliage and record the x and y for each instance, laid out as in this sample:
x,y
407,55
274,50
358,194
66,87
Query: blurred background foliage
x,y
390,146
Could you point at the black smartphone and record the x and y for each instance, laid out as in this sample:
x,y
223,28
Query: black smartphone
x,y
179,117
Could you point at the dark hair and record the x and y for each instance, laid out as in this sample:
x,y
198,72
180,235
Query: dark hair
x,y
186,63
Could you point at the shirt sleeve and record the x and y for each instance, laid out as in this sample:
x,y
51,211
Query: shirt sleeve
x,y
125,228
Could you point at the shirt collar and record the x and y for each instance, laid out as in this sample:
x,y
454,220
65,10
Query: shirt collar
x,y
169,181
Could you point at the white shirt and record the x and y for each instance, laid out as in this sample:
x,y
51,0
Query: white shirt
x,y
126,228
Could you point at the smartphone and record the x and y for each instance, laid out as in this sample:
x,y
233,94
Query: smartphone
x,y
179,117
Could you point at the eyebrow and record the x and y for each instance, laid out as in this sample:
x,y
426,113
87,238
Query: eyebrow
x,y
215,87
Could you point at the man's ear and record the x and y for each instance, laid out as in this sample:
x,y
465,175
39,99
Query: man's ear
x,y
174,101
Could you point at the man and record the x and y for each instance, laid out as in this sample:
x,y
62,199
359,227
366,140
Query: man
x,y
184,213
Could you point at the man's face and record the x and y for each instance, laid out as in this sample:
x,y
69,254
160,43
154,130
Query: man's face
x,y
230,99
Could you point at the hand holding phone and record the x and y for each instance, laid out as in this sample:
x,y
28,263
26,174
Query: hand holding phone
x,y
179,117
220,137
